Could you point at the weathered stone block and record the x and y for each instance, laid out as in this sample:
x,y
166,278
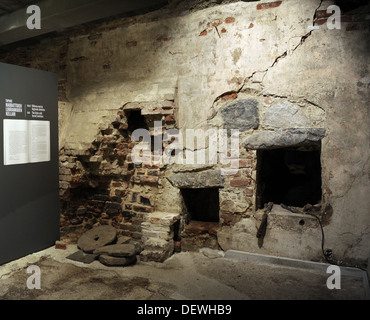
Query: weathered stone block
x,y
115,261
241,182
117,250
201,179
164,250
283,138
242,115
285,115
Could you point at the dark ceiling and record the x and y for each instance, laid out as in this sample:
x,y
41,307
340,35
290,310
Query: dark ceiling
x,y
8,6
58,15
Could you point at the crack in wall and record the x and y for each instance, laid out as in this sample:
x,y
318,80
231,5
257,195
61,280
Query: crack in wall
x,y
354,177
283,55
303,39
356,242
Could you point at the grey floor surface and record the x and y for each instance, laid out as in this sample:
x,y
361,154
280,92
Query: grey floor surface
x,y
205,275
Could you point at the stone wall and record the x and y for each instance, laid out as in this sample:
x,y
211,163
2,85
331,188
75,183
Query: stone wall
x,y
254,66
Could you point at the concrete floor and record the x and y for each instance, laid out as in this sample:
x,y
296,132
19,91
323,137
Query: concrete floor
x,y
185,276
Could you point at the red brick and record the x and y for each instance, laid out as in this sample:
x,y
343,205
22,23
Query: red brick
x,y
240,182
230,96
229,20
246,163
268,5
251,26
319,22
322,14
203,33
170,118
60,245
223,30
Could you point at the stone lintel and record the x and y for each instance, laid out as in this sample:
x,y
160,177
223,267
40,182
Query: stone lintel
x,y
281,138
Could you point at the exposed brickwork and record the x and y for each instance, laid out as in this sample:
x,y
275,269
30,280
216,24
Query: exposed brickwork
x,y
101,184
236,200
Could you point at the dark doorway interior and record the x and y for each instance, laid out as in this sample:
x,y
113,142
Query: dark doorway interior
x,y
202,204
288,176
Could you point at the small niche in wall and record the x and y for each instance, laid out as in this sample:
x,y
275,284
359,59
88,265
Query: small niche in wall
x,y
202,204
135,120
291,176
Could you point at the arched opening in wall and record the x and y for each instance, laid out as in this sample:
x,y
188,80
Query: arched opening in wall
x,y
291,176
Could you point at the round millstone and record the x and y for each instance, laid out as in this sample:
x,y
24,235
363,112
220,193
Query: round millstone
x,y
116,261
97,237
117,250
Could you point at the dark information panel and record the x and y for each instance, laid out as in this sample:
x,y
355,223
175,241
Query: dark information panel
x,y
29,187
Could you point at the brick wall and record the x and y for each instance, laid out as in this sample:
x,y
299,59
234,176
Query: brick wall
x,y
101,184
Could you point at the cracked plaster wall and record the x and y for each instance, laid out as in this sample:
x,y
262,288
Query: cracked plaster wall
x,y
203,59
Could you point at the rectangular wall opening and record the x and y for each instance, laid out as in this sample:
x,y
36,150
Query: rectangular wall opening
x,y
202,204
201,213
291,176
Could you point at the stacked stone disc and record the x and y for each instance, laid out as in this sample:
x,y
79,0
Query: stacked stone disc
x,y
112,251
